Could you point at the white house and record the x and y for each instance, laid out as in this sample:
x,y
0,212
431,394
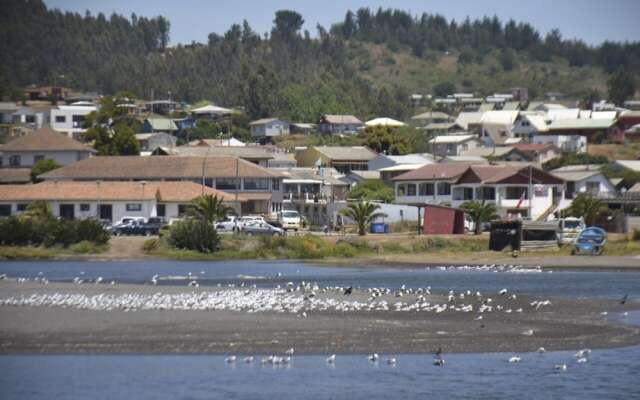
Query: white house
x,y
109,200
385,161
453,145
497,126
44,143
269,127
583,179
515,190
567,143
529,124
70,119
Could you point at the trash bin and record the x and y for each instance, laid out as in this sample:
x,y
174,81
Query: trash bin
x,y
379,227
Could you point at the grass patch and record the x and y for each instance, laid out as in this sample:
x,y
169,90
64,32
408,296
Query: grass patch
x,y
27,252
87,247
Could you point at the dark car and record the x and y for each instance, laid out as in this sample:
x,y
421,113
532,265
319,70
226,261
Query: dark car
x,y
151,227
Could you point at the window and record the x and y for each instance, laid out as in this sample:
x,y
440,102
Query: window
x,y
227,184
78,120
486,193
425,189
411,189
61,119
275,184
401,189
515,193
14,161
37,158
161,210
21,207
444,189
134,207
85,207
593,187
182,209
5,210
256,184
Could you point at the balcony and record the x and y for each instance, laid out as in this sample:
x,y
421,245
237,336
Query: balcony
x,y
305,198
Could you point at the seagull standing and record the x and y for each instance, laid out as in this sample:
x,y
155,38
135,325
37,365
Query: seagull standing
x,y
230,359
331,359
373,357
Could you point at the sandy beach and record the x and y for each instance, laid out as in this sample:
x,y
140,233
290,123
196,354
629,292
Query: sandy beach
x,y
561,324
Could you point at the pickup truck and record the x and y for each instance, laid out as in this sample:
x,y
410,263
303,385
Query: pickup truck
x,y
136,227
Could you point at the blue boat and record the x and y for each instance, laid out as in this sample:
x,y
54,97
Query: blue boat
x,y
590,241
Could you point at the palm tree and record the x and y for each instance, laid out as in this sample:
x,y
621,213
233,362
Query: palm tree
x,y
40,210
208,208
589,207
363,213
479,212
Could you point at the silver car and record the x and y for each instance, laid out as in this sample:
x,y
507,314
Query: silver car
x,y
261,228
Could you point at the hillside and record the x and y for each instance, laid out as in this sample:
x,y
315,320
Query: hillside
x,y
366,65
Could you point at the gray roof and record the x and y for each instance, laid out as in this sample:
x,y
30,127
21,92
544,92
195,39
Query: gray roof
x,y
497,151
347,152
573,173
341,119
366,174
431,115
265,121
436,126
246,152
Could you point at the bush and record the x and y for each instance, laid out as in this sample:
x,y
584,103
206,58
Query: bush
x,y
636,234
194,235
18,231
150,245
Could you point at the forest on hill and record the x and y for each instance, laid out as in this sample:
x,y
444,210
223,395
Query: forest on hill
x,y
368,64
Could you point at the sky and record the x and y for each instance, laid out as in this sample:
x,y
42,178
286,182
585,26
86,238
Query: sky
x,y
593,21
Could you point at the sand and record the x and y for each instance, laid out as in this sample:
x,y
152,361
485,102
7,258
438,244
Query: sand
x,y
565,324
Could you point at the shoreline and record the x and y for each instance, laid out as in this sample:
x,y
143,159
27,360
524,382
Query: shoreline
x,y
42,329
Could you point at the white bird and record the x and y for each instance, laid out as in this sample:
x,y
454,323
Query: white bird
x,y
373,357
289,352
582,353
582,360
560,367
391,361
98,279
331,359
528,332
248,360
542,350
230,359
503,292
514,359
438,362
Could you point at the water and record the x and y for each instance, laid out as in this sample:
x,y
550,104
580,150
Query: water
x,y
609,374
573,284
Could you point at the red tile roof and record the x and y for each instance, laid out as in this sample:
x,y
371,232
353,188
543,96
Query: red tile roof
x,y
45,139
486,174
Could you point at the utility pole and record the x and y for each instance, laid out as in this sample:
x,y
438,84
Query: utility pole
x,y
530,190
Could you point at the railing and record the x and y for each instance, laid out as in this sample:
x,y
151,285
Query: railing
x,y
627,196
306,197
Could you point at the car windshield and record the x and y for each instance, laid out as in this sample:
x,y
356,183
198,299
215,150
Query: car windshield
x,y
290,214
572,224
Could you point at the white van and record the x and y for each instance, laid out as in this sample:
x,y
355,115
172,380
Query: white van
x,y
290,219
569,228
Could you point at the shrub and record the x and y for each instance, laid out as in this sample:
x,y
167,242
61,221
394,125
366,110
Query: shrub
x,y
636,234
150,245
50,232
86,247
194,235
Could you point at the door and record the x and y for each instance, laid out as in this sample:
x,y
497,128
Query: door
x,y
67,211
161,210
106,212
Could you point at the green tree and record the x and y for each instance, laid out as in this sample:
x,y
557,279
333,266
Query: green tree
x,y
480,212
588,207
208,208
362,213
388,140
444,89
621,86
41,167
508,59
372,189
38,210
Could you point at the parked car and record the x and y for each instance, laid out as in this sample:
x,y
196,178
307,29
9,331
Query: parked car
x,y
261,228
127,220
137,227
245,219
227,225
290,219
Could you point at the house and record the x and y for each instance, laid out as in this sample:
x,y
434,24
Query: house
x,y
384,160
355,177
583,179
538,152
70,119
566,143
430,117
230,142
44,143
508,187
544,107
343,158
436,128
302,128
33,116
452,145
14,176
594,129
150,141
630,165
158,124
6,112
471,103
261,187
47,93
317,193
269,127
503,153
632,105
162,107
109,200
464,160
258,155
496,127
281,159
529,124
384,121
339,124
469,120
211,111
623,128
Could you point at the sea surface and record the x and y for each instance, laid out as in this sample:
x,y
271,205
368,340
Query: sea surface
x,y
609,374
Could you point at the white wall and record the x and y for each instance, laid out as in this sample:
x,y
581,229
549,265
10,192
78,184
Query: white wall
x,y
569,143
68,112
398,213
61,157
